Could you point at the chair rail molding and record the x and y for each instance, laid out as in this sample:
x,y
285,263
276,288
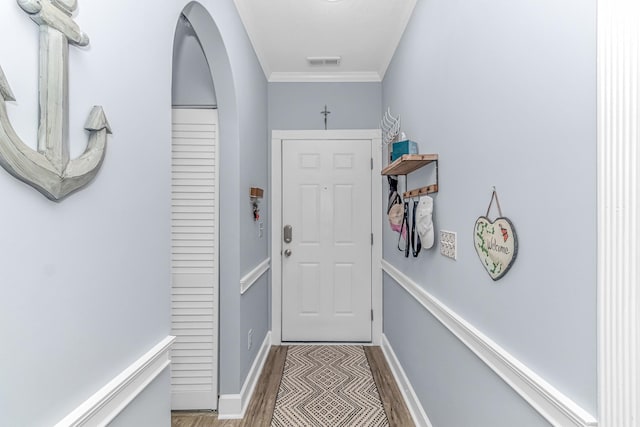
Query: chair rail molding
x,y
101,408
252,277
618,212
557,408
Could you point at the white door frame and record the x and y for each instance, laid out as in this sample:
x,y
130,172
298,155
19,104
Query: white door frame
x,y
618,207
277,137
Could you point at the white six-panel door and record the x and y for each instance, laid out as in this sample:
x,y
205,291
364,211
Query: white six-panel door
x,y
326,279
194,259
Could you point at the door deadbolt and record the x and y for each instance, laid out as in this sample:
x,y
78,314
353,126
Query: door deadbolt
x,y
288,234
287,253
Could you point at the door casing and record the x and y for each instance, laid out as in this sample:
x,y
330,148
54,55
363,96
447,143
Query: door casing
x,y
277,137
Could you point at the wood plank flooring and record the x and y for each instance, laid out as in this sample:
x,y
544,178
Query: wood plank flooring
x,y
260,408
392,401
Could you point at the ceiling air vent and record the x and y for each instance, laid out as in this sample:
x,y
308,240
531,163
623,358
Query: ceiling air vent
x,y
323,60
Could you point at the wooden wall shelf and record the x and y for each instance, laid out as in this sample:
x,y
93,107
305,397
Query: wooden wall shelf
x,y
409,163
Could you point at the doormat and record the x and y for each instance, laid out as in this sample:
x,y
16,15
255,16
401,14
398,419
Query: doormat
x,y
326,386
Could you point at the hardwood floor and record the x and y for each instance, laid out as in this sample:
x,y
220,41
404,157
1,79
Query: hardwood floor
x,y
200,419
392,401
263,401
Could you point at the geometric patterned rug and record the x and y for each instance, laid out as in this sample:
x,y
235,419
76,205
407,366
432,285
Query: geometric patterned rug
x,y
327,386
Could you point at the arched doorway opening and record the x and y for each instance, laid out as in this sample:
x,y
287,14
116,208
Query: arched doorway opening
x,y
200,66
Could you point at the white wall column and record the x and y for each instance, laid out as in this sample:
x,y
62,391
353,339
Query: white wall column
x,y
618,221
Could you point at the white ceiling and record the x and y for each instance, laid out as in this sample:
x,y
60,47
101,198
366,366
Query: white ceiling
x,y
363,33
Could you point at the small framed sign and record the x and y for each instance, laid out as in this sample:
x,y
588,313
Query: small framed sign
x,y
496,242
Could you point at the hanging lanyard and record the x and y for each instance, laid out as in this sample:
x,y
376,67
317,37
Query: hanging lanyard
x,y
404,228
416,245
405,223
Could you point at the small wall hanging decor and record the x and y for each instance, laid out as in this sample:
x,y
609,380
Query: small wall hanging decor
x,y
390,127
255,194
326,113
495,241
49,169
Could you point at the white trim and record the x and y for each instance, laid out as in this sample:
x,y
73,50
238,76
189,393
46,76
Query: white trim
x,y
277,136
276,238
110,400
234,406
376,249
416,410
315,77
371,134
557,408
252,277
618,213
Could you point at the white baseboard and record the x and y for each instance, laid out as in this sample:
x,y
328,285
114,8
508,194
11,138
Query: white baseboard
x,y
557,408
416,410
234,406
110,400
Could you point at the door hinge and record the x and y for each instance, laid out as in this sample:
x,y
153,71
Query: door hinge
x,y
372,315
372,163
371,239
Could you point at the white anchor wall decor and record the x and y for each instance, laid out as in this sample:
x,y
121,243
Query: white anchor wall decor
x,y
49,169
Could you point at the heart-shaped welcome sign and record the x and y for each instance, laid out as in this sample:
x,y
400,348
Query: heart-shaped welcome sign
x,y
496,244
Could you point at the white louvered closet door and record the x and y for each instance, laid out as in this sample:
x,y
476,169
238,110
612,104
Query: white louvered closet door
x,y
194,259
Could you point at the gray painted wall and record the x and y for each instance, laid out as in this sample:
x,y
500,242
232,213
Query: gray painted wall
x,y
256,318
295,106
152,407
192,84
254,305
437,355
505,93
86,281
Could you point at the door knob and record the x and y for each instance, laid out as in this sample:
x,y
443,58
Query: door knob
x,y
287,253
